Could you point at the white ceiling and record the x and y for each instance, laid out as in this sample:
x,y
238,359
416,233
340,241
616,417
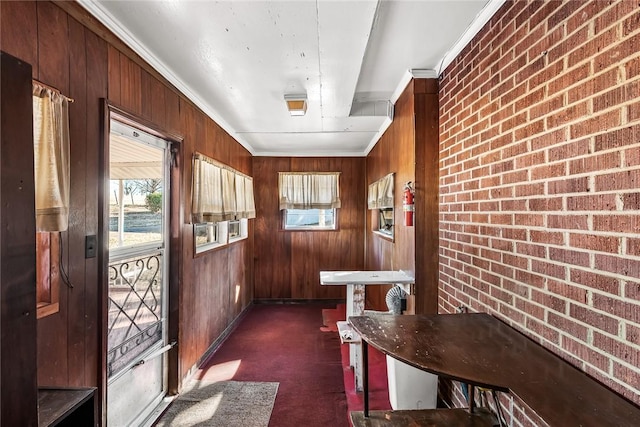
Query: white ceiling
x,y
237,59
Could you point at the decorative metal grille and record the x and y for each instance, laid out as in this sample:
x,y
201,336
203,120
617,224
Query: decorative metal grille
x,y
135,309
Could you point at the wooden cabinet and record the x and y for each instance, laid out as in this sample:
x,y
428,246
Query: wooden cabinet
x,y
66,407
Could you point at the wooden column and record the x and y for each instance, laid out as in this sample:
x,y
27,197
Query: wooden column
x,y
18,381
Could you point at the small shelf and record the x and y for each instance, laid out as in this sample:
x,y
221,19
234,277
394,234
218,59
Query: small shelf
x,y
347,334
66,407
425,417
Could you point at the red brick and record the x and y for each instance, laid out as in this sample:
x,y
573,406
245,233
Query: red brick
x,y
532,128
548,171
566,115
616,223
566,325
569,257
513,205
527,190
530,220
595,163
597,320
592,202
514,234
596,281
569,185
633,246
599,243
616,348
530,279
618,308
631,201
573,222
530,159
549,269
567,151
550,301
529,249
543,330
550,139
617,265
618,180
618,53
633,334
549,105
596,124
590,87
546,204
585,353
562,81
618,95
633,112
547,237
632,68
567,290
593,46
627,375
569,44
618,138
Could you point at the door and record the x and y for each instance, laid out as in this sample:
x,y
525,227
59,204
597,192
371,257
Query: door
x,y
138,269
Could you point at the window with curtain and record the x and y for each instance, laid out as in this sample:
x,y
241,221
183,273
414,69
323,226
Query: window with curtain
x,y
51,158
380,199
309,200
221,203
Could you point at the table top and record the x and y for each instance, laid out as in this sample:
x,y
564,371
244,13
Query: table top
x,y
479,349
383,277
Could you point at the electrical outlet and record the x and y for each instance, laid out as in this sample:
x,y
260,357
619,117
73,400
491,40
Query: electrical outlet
x,y
90,246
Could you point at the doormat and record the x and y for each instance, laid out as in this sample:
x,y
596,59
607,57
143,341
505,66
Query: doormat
x,y
221,403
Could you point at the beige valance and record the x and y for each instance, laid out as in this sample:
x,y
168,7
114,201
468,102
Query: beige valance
x,y
219,192
51,158
381,193
309,190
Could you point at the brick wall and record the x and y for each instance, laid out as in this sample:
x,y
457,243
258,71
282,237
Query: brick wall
x,y
540,182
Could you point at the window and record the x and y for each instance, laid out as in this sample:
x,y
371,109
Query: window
x,y
380,200
209,235
310,219
309,200
238,229
52,177
385,221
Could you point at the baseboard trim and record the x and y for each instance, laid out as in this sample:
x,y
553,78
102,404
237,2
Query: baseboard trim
x,y
297,301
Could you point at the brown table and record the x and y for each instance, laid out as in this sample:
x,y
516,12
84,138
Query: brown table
x,y
480,350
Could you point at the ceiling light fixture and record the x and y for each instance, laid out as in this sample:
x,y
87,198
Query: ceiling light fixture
x,y
296,104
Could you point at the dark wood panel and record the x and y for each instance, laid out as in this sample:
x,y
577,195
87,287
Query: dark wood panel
x,y
130,85
95,276
53,69
19,31
114,75
288,263
272,247
18,384
53,46
73,262
427,208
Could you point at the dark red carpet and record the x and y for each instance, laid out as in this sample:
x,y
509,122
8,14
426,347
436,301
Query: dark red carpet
x,y
297,345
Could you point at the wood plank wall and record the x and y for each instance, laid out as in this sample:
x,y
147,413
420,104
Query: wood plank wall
x,y
17,248
408,148
287,263
71,51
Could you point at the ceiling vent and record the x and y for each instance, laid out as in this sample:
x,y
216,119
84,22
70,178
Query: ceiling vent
x,y
372,109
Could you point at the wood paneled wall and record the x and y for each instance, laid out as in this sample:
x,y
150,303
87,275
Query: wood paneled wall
x,y
287,263
409,148
17,249
71,51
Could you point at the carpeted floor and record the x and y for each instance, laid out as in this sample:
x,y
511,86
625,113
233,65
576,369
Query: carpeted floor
x,y
285,344
221,404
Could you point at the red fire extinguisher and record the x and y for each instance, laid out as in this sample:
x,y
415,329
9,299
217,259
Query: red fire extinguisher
x,y
408,205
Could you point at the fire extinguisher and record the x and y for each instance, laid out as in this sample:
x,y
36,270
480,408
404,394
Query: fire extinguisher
x,y
408,205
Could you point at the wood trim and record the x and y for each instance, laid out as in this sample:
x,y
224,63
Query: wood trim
x,y
18,346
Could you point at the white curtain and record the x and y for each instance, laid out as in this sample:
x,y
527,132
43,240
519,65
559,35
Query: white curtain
x,y
381,193
372,196
51,158
229,194
206,197
220,193
245,205
309,190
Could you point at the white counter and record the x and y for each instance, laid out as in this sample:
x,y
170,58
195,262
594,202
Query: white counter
x,y
356,281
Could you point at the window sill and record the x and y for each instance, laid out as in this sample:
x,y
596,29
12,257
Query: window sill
x,y
45,309
385,236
